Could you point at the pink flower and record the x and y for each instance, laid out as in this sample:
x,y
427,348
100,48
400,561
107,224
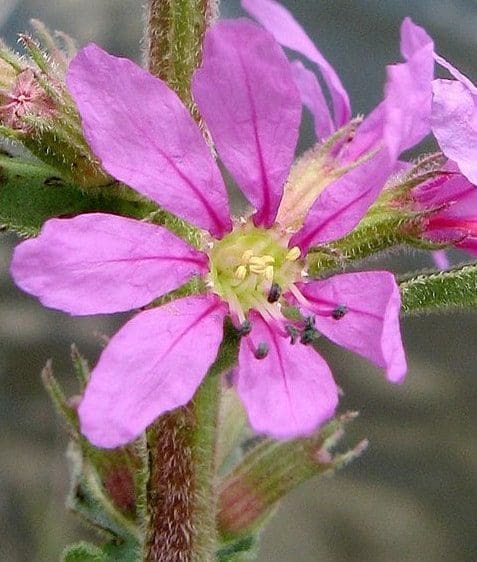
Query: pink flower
x,y
454,199
398,123
98,263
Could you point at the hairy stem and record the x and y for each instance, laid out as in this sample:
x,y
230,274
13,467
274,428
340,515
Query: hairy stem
x,y
437,291
180,499
174,40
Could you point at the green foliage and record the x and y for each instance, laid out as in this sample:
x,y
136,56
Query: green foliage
x,y
31,193
440,291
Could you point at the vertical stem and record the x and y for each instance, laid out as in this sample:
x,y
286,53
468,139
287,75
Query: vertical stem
x,y
180,495
174,40
180,502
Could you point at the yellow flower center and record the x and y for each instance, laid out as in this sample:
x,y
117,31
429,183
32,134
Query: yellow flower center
x,y
251,267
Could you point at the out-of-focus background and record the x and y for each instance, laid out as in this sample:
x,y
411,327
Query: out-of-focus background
x,y
413,496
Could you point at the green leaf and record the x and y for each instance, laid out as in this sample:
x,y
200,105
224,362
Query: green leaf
x,y
32,193
440,290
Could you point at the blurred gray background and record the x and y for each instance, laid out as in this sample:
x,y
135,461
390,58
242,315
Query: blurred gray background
x,y
412,497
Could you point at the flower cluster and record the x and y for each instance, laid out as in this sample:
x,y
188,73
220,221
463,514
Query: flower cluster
x,y
255,267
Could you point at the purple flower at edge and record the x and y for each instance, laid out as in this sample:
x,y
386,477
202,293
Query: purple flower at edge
x,y
98,263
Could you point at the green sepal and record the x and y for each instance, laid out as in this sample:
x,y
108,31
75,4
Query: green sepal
x,y
110,552
83,552
250,493
62,406
81,367
32,193
87,498
437,291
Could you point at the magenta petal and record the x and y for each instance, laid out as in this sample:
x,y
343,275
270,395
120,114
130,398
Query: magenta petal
x,y
98,263
408,101
146,138
288,32
291,391
370,327
413,38
454,124
152,365
246,93
341,206
313,98
457,74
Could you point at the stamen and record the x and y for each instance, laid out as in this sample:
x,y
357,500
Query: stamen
x,y
261,260
246,256
262,350
245,328
269,273
309,335
339,312
293,254
241,272
293,332
274,293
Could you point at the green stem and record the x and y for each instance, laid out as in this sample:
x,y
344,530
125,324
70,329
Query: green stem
x,y
174,40
440,290
179,502
180,496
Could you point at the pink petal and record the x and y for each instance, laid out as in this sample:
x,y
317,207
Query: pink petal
x,y
98,263
288,32
413,38
152,365
313,98
146,138
408,98
402,119
452,189
457,74
291,391
246,93
370,327
454,124
341,206
399,122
